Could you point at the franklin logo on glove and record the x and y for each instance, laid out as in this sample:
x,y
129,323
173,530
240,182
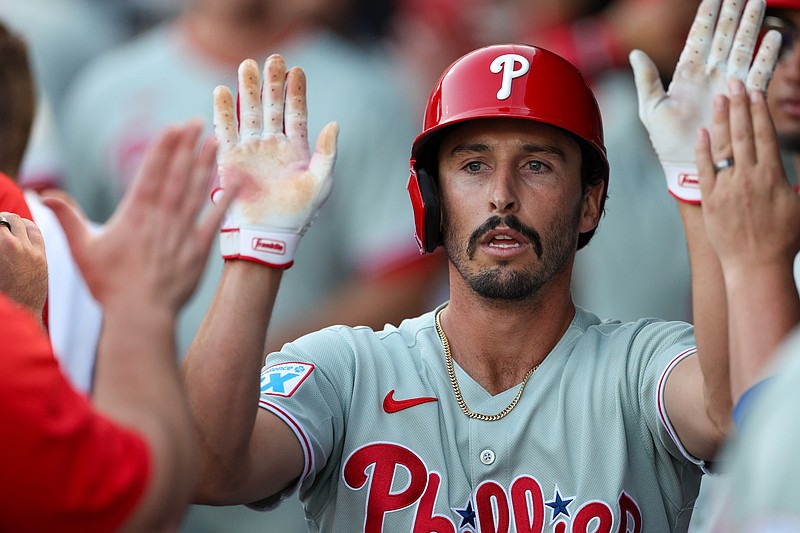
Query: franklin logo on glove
x,y
689,180
269,245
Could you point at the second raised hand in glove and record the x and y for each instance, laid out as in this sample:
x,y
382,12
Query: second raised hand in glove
x,y
720,46
281,184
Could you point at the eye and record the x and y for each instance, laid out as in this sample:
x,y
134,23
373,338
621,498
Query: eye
x,y
536,166
474,166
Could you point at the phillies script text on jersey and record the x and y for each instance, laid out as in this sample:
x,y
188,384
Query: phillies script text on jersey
x,y
492,508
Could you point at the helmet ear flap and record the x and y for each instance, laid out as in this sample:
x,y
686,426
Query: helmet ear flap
x,y
427,214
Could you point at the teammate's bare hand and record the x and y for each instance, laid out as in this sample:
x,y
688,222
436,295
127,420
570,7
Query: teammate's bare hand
x,y
154,247
751,211
282,186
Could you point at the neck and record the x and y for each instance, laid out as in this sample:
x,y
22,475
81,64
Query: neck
x,y
497,343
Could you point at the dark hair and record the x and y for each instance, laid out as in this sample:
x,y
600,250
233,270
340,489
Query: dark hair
x,y
592,173
17,94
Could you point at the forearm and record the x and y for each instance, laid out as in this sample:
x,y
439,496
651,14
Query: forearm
x,y
763,309
138,385
709,310
222,371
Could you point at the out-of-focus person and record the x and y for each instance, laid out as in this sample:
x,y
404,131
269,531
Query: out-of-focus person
x,y
71,315
62,36
19,101
640,251
124,460
443,30
600,40
783,93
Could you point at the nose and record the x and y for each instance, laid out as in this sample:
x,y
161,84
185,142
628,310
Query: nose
x,y
502,193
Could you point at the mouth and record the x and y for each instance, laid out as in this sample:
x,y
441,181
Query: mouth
x,y
510,239
502,241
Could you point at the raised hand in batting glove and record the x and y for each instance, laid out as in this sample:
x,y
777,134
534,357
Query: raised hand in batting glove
x,y
719,47
282,185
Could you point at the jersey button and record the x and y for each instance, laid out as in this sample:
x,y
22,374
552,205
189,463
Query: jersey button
x,y
487,457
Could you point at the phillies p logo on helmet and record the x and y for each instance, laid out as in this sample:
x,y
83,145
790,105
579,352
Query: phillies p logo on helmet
x,y
505,64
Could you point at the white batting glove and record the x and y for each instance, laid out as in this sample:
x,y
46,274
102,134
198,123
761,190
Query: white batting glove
x,y
719,47
281,185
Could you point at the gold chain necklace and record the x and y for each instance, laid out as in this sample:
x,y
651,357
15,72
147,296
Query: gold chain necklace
x,y
448,359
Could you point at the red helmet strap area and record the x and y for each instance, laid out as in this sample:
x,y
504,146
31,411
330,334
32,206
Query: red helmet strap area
x,y
427,213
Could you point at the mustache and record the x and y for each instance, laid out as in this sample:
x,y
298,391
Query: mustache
x,y
513,223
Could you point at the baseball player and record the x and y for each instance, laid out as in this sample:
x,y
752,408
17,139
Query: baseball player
x,y
506,408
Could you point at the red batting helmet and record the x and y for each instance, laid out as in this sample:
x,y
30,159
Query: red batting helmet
x,y
502,81
783,4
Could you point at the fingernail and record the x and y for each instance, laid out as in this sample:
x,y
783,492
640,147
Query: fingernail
x,y
756,96
735,86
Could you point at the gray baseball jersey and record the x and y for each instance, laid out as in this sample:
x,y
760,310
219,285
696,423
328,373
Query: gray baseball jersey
x,y
587,448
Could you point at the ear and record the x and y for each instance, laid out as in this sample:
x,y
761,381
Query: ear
x,y
590,207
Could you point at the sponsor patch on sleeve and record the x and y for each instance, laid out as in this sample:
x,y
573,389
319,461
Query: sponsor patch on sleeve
x,y
284,379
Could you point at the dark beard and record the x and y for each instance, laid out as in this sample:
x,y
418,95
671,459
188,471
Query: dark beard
x,y
501,283
495,284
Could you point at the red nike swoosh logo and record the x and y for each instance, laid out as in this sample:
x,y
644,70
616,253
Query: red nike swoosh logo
x,y
390,405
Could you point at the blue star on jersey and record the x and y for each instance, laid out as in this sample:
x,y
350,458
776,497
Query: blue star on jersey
x,y
559,505
467,515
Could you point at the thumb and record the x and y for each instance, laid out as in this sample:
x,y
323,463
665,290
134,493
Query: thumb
x,y
648,82
324,157
74,225
323,160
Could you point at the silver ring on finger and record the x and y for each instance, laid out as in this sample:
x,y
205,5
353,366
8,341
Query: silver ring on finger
x,y
4,222
719,166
